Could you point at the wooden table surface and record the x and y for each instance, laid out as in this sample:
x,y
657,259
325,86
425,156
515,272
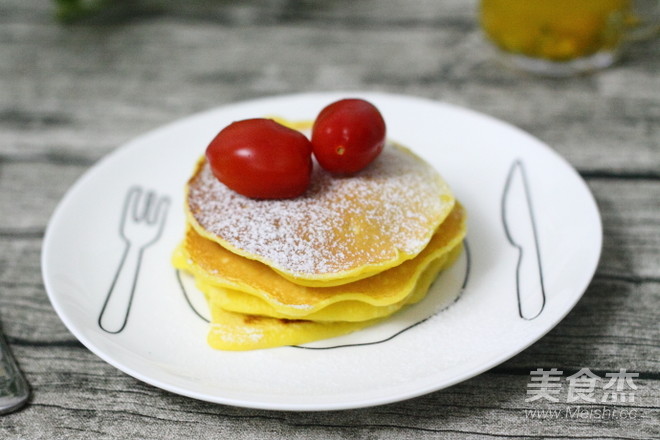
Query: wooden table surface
x,y
71,94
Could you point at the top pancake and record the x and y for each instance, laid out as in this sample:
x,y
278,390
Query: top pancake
x,y
344,228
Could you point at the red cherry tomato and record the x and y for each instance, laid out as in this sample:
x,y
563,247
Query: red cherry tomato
x,y
348,135
262,159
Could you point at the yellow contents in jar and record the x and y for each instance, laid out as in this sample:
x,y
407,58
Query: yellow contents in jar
x,y
556,30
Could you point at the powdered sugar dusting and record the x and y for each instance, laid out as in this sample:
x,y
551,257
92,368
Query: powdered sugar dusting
x,y
339,224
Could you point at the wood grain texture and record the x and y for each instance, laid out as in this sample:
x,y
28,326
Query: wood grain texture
x,y
71,94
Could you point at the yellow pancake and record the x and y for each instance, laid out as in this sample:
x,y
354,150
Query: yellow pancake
x,y
235,301
214,265
237,331
343,229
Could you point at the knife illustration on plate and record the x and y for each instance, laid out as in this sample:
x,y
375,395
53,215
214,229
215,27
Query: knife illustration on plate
x,y
521,231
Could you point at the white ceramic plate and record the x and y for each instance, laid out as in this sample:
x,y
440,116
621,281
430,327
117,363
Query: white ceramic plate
x,y
534,242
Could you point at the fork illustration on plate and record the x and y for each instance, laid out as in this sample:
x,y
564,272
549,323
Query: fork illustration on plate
x,y
141,225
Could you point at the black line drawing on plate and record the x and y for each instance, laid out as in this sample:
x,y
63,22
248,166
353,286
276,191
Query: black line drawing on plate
x,y
380,341
520,228
141,225
188,300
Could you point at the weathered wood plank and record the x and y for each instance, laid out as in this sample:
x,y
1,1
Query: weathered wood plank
x,y
30,193
105,403
88,81
631,227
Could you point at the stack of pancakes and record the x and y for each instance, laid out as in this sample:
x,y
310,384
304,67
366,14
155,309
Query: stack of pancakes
x,y
350,252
